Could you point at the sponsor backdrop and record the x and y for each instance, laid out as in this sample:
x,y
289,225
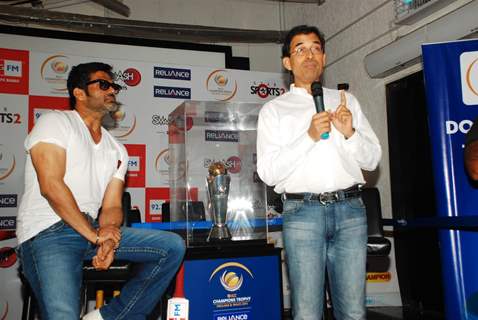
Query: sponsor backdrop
x,y
452,94
155,81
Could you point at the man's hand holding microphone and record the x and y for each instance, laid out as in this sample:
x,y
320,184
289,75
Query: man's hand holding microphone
x,y
341,118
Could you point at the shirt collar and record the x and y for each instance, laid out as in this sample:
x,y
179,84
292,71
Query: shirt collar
x,y
299,90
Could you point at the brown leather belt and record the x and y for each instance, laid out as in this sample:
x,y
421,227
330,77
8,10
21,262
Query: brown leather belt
x,y
326,197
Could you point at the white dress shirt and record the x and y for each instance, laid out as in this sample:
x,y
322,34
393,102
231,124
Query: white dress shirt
x,y
290,160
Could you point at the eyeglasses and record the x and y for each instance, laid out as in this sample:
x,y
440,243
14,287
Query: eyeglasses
x,y
302,51
105,85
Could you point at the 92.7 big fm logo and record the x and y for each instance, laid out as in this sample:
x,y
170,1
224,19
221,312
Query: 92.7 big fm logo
x,y
14,66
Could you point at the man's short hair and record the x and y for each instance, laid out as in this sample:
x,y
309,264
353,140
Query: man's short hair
x,y
302,29
80,75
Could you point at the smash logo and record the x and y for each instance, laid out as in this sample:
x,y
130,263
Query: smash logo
x,y
264,90
233,164
131,77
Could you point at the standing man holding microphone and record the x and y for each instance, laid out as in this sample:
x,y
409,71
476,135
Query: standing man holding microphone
x,y
314,159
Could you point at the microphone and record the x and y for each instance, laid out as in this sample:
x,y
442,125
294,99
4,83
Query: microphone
x,y
318,95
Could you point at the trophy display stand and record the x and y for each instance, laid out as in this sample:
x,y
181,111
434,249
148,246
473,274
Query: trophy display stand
x,y
212,161
218,204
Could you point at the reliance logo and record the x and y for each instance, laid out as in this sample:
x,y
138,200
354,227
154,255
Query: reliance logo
x,y
172,92
469,77
8,223
172,73
8,200
221,135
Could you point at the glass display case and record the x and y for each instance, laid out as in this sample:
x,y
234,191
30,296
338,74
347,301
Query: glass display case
x,y
207,205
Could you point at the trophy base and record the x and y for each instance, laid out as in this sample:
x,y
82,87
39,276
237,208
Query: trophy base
x,y
219,234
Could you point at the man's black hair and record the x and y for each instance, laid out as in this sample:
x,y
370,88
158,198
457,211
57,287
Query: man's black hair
x,y
80,75
302,29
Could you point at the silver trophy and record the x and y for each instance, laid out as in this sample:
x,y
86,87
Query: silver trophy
x,y
218,183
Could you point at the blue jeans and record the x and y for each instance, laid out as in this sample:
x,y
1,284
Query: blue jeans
x,y
52,262
317,236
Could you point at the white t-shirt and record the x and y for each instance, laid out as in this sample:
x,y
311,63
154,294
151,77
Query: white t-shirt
x,y
89,169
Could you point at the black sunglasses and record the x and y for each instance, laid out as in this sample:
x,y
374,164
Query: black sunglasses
x,y
105,85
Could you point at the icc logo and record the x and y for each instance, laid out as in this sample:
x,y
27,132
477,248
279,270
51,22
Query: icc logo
x,y
231,278
469,77
219,84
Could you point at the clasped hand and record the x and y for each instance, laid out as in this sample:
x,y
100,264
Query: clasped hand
x,y
109,232
109,238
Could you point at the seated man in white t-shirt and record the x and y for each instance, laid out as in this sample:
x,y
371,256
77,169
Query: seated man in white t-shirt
x,y
74,167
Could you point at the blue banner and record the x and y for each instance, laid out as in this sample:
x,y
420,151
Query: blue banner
x,y
242,288
451,81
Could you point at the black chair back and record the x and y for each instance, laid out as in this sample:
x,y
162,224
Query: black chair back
x,y
377,244
195,210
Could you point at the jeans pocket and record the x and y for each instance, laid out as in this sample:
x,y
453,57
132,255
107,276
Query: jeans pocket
x,y
292,206
355,203
54,228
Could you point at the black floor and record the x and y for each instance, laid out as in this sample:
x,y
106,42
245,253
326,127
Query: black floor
x,y
384,313
377,313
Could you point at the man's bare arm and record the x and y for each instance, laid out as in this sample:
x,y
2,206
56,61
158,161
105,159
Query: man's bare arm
x,y
49,161
111,218
111,209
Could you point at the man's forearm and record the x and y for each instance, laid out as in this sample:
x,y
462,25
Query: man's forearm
x,y
61,199
111,216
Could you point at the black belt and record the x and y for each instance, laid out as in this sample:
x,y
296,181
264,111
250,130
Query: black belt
x,y
326,197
